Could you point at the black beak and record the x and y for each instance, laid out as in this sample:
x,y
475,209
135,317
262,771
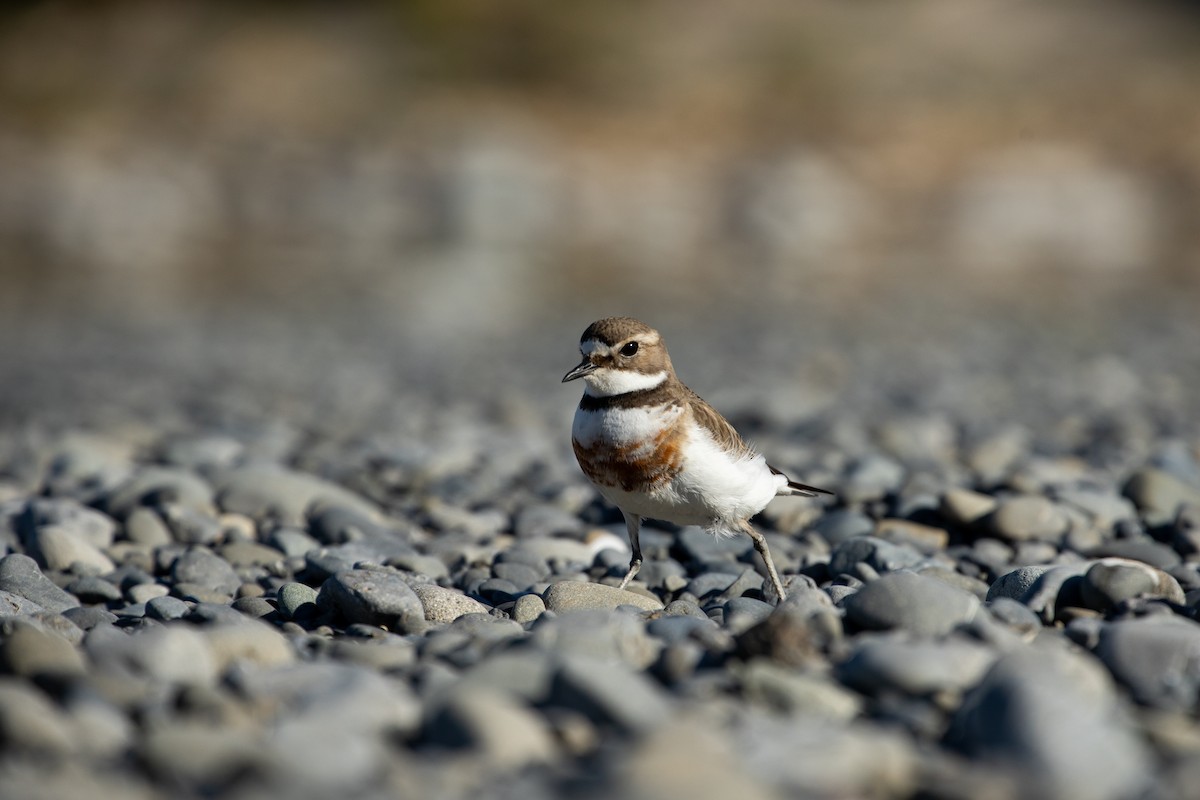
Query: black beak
x,y
586,367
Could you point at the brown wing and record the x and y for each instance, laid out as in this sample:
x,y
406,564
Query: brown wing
x,y
717,426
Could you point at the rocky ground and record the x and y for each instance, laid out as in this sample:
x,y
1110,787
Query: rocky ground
x,y
384,584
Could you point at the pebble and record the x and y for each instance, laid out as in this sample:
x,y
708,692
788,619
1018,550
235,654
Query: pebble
x,y
1157,658
1111,581
964,507
293,597
272,492
1158,494
1019,519
893,662
446,605
528,608
611,694
1053,716
20,576
145,526
31,652
31,723
881,556
492,726
61,548
918,604
575,595
152,486
371,596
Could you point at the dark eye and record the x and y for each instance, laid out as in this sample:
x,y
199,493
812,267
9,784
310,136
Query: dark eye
x,y
629,349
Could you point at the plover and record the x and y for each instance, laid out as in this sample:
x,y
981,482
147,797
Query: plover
x,y
654,449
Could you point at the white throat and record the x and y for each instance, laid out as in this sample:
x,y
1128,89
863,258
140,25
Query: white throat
x,y
606,382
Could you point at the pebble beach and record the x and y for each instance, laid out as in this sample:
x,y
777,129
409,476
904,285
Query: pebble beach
x,y
365,584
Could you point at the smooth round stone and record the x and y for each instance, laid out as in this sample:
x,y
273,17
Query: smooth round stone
x,y
576,595
95,527
1111,581
292,542
491,726
256,607
199,593
293,596
32,723
1018,519
611,693
171,653
191,526
527,608
839,525
429,566
250,554
20,575
1146,550
203,567
743,613
710,584
61,548
264,491
915,667
1017,583
905,600
925,538
678,608
679,628
965,507
88,617
145,526
201,452
793,636
871,478
534,521
145,592
167,608
248,641
197,751
879,555
1053,717
158,485
372,597
1158,494
1156,658
30,652
705,548
446,605
519,575
783,689
93,589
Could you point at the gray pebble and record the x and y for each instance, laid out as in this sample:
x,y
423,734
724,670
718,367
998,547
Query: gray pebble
x,y
32,724
31,652
839,525
538,520
272,492
965,507
1145,550
879,555
601,634
292,542
743,613
920,605
1110,581
374,597
172,653
145,592
145,526
189,525
527,608
610,693
88,617
156,485
1157,658
250,554
97,528
684,608
205,568
672,629
446,605
92,589
575,595
1018,519
61,548
1052,715
21,576
705,548
895,662
1158,494
165,609
783,689
294,596
492,726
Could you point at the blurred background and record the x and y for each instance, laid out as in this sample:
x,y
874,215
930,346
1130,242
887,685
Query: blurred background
x,y
326,205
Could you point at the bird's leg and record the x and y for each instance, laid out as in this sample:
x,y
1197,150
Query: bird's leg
x,y
633,523
760,544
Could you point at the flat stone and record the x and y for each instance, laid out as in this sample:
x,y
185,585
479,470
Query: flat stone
x,y
921,668
784,689
156,485
93,589
599,634
881,556
201,566
965,507
1111,581
95,527
491,725
173,653
1054,717
1026,517
920,605
61,547
528,608
610,693
31,652
145,526
374,597
166,609
1157,658
248,642
273,492
1158,494
575,595
21,576
446,605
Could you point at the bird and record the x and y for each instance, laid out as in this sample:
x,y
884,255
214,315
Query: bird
x,y
655,450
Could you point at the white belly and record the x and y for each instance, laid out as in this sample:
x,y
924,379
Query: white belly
x,y
713,489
